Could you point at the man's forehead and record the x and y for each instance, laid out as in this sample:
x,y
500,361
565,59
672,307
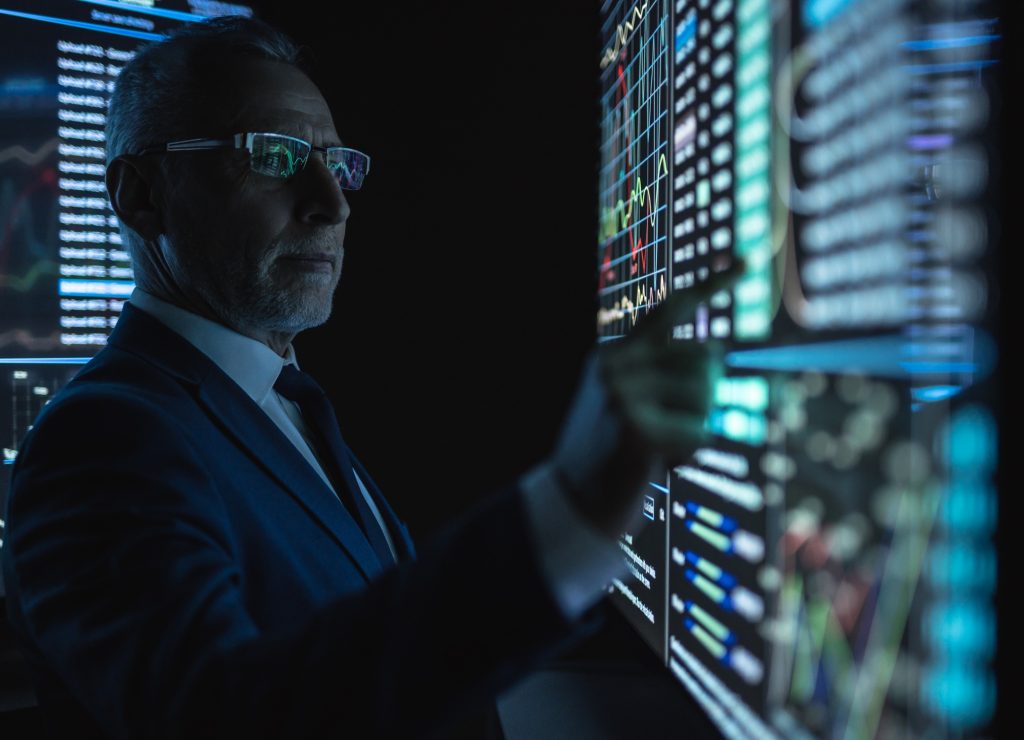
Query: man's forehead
x,y
319,130
272,96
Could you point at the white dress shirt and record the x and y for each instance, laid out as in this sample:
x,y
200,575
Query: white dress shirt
x,y
254,367
577,560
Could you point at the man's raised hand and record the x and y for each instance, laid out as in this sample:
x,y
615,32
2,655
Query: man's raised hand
x,y
659,392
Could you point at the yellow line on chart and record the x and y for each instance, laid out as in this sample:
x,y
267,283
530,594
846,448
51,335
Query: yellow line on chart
x,y
641,195
622,34
624,305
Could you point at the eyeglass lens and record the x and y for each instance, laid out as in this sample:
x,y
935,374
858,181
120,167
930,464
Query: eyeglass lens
x,y
280,156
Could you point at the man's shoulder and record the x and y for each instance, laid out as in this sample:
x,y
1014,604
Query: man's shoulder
x,y
119,378
115,394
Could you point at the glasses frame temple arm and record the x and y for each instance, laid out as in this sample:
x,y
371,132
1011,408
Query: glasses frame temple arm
x,y
192,145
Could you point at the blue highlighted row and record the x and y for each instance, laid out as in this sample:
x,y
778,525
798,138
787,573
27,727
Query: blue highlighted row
x,y
96,288
686,32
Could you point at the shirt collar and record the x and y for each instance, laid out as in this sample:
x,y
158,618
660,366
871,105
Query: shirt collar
x,y
250,363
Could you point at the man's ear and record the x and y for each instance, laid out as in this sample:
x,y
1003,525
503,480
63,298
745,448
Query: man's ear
x,y
130,188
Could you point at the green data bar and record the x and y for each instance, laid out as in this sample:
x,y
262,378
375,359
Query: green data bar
x,y
709,569
715,627
714,646
711,516
716,593
715,539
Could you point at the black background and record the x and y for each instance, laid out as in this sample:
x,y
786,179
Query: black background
x,y
468,296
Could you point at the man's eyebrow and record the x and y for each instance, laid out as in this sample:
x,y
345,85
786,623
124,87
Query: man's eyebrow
x,y
286,128
290,130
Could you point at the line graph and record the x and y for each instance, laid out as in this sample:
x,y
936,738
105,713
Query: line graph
x,y
626,306
24,283
633,188
23,154
622,34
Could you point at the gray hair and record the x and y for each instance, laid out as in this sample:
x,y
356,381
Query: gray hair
x,y
157,92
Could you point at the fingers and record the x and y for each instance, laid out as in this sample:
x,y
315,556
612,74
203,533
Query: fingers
x,y
665,404
673,435
681,358
664,389
688,394
681,305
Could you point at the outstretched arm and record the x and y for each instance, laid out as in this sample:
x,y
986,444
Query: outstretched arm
x,y
124,579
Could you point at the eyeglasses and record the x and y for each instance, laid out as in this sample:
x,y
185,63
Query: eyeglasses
x,y
278,155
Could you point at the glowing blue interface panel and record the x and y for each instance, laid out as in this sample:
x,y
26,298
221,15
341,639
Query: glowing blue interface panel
x,y
64,273
826,566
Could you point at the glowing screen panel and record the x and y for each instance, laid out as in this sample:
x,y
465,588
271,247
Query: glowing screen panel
x,y
826,567
64,273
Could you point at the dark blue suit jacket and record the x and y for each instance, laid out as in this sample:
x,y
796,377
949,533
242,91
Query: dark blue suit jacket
x,y
175,568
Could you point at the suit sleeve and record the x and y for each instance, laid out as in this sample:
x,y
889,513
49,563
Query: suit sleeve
x,y
128,587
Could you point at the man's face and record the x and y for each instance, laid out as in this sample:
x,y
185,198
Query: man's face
x,y
260,254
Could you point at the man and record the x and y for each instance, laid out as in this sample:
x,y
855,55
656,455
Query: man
x,y
192,550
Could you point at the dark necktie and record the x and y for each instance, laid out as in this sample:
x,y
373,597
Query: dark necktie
x,y
299,387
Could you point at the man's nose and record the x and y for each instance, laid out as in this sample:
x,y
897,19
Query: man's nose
x,y
321,199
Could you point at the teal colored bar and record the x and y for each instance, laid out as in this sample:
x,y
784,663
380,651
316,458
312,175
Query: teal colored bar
x,y
753,70
752,101
752,230
716,628
712,591
755,176
752,220
709,568
749,9
750,325
714,646
711,517
713,538
753,164
747,49
818,13
751,81
753,133
754,289
753,37
752,197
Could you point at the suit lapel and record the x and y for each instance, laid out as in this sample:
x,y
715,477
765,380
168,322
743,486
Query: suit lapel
x,y
253,431
402,540
248,427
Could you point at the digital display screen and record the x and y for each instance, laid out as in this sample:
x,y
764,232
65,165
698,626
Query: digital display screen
x,y
64,273
826,567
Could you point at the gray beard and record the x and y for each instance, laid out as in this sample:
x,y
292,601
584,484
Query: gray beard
x,y
265,310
